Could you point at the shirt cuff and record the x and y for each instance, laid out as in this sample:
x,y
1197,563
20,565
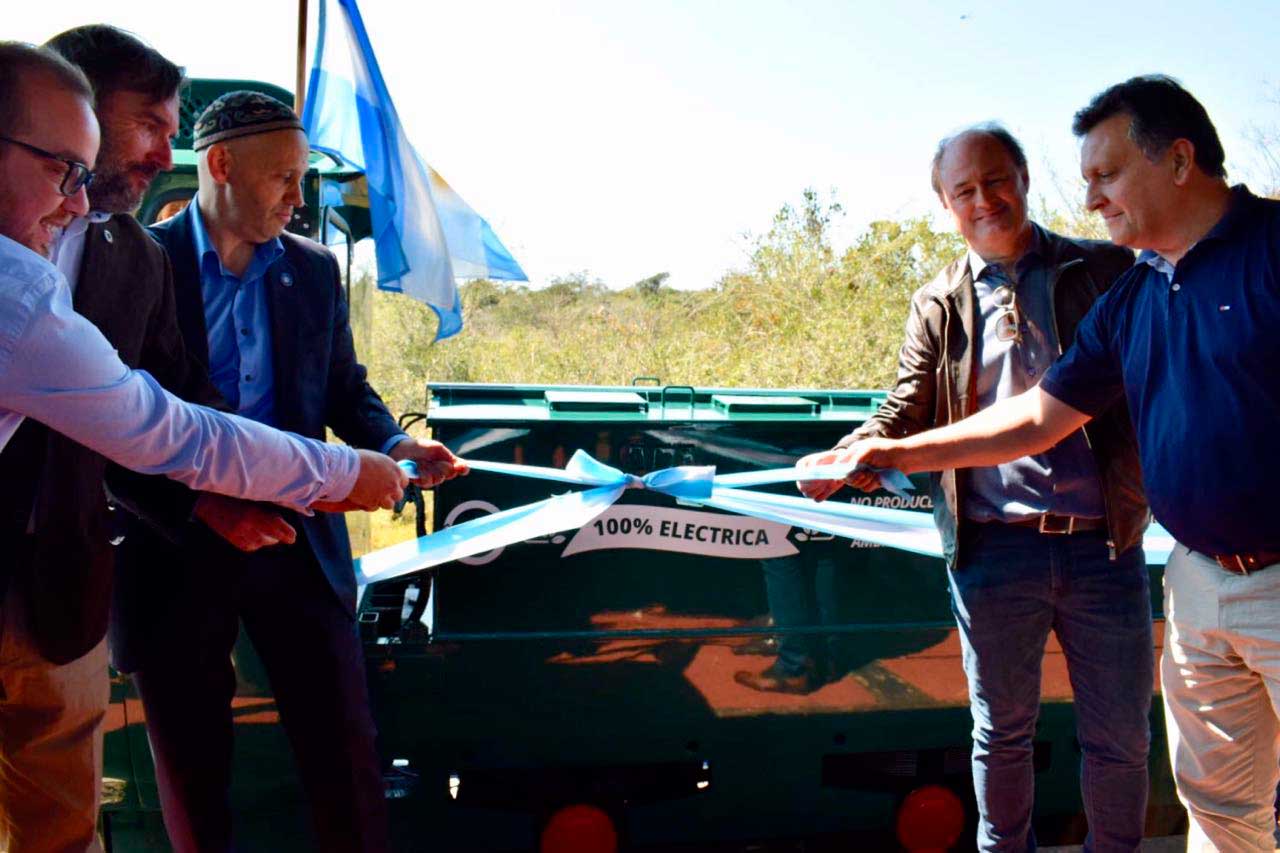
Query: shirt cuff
x,y
392,442
342,467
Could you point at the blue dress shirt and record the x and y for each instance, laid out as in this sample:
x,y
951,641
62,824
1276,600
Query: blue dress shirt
x,y
1194,348
238,327
56,367
1063,479
238,324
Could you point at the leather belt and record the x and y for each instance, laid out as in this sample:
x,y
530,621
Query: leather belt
x,y
1247,564
1060,525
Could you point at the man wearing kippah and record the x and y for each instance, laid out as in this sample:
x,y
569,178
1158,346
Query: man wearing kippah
x,y
265,310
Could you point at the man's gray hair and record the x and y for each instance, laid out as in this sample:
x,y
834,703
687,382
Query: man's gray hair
x,y
993,129
19,62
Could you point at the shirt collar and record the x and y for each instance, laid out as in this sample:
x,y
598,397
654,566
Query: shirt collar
x,y
1157,262
264,254
81,224
978,266
204,246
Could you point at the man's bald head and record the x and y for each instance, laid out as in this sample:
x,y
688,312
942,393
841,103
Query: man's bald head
x,y
980,175
250,185
993,130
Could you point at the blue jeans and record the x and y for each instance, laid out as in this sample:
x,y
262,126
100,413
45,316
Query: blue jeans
x,y
1013,586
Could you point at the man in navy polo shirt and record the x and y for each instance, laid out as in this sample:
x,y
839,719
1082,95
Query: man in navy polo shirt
x,y
1191,337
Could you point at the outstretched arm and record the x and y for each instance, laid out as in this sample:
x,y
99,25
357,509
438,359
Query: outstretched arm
x,y
59,369
1028,423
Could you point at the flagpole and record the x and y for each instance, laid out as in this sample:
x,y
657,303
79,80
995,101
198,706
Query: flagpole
x,y
300,80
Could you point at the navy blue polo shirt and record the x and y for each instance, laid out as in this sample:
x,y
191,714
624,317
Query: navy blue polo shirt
x,y
1197,354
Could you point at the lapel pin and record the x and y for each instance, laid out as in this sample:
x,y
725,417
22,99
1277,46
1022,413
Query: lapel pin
x,y
286,279
106,235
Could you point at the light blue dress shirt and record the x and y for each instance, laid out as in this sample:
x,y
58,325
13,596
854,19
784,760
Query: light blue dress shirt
x,y
1064,479
1158,263
56,367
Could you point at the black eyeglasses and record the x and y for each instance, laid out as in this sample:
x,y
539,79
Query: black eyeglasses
x,y
1009,323
78,174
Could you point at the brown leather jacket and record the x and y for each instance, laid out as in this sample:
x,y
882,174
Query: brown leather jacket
x,y
938,379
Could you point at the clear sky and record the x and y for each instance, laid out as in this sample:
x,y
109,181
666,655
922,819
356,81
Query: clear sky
x,y
627,139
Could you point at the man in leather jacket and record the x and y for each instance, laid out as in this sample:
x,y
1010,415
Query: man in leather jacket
x,y
1046,542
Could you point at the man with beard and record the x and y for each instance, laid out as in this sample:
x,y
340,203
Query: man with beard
x,y
54,518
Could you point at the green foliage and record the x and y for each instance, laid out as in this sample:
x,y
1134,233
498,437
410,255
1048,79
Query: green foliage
x,y
1063,211
799,314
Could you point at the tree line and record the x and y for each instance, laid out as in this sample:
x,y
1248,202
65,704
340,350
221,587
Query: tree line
x,y
799,314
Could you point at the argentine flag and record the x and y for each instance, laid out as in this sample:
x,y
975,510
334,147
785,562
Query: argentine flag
x,y
425,235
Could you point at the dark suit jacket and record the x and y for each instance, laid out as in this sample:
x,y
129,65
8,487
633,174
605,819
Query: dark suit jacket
x,y
64,566
318,383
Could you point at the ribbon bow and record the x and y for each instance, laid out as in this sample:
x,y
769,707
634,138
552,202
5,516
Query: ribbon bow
x,y
696,484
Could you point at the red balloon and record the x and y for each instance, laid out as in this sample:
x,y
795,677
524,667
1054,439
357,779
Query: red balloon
x,y
579,828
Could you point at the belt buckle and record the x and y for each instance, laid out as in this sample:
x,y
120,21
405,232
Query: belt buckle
x,y
1058,531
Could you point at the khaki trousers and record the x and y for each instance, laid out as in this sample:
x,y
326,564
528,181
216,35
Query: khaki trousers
x,y
1220,673
50,742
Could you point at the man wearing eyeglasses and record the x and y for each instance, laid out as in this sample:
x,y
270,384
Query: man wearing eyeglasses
x,y
57,368
1049,542
53,504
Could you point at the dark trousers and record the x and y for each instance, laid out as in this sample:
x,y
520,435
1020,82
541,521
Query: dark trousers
x,y
312,655
801,593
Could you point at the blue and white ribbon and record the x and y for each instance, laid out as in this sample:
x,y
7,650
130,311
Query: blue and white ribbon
x,y
688,484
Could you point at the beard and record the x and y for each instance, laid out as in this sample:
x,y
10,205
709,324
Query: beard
x,y
118,187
